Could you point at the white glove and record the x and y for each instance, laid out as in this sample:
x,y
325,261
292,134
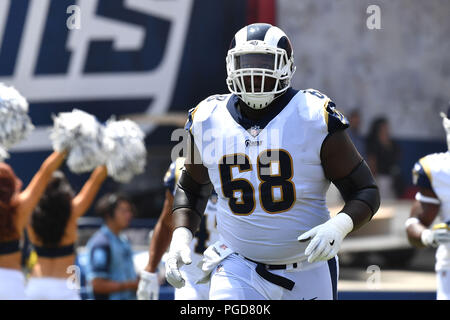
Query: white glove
x,y
148,288
179,254
326,238
433,238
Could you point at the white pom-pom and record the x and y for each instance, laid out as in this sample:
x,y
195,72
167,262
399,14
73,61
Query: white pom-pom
x,y
3,154
15,122
127,155
82,135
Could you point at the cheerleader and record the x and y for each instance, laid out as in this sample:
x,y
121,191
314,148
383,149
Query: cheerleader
x,y
16,208
53,233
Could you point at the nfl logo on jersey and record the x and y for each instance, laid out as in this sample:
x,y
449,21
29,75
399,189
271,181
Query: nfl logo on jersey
x,y
254,131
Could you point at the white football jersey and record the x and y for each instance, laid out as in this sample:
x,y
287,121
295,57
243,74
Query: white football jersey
x,y
268,173
433,172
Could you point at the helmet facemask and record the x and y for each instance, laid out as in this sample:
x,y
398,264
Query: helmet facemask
x,y
258,73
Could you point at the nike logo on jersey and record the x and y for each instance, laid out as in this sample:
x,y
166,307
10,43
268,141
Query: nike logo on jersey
x,y
331,243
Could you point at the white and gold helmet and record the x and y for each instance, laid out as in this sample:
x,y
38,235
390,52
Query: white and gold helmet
x,y
260,64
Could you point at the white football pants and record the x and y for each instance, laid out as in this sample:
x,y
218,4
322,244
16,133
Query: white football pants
x,y
235,278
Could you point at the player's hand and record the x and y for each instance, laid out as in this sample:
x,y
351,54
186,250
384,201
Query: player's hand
x,y
326,238
179,255
433,238
148,288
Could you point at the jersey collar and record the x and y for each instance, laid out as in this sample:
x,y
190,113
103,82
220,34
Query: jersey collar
x,y
276,107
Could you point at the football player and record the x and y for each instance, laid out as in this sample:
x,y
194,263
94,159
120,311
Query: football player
x,y
270,152
207,234
432,175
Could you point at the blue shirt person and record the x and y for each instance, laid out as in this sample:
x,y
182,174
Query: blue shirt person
x,y
110,269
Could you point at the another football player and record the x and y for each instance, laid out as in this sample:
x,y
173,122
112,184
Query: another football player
x,y
270,152
432,175
207,234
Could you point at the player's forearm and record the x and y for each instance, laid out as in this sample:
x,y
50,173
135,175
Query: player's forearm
x,y
360,193
185,217
159,244
414,233
422,216
190,201
359,211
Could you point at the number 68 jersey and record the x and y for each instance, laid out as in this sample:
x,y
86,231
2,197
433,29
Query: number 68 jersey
x,y
267,173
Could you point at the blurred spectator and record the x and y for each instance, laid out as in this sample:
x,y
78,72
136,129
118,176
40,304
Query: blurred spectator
x,y
383,156
110,269
355,132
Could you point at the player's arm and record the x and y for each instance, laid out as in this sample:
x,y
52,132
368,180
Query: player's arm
x,y
423,212
193,190
346,169
29,198
162,234
83,200
148,288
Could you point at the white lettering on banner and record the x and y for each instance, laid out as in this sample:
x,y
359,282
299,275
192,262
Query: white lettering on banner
x,y
4,9
157,84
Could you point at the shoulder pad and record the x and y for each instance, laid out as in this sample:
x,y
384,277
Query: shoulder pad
x,y
421,174
315,93
173,174
203,110
334,119
169,178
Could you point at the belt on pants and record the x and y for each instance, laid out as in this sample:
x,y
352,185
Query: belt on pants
x,y
283,282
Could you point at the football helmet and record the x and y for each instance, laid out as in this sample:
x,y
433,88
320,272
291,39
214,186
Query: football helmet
x,y
260,64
